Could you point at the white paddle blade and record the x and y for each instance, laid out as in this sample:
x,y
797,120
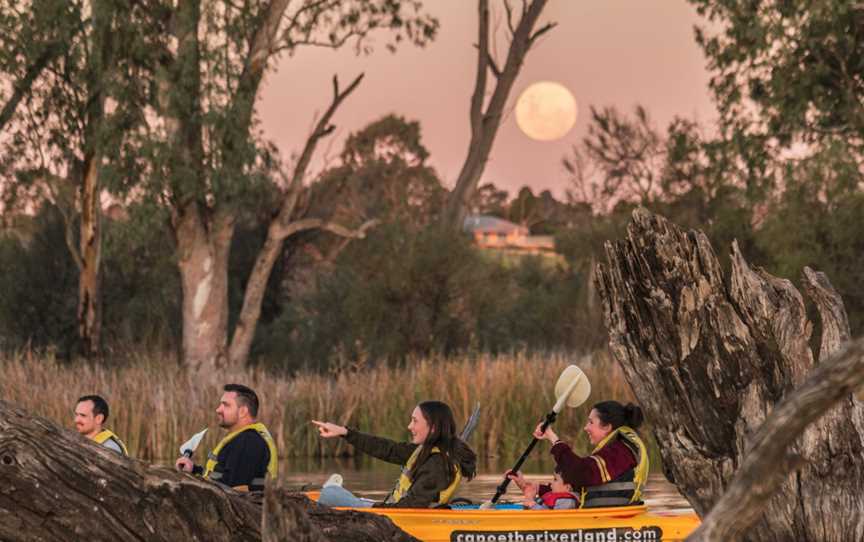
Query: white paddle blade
x,y
192,444
572,388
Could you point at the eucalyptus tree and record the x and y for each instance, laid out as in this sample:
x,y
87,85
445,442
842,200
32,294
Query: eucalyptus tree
x,y
72,96
788,69
205,161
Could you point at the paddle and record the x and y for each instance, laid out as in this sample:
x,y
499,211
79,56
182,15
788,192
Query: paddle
x,y
188,448
571,389
473,419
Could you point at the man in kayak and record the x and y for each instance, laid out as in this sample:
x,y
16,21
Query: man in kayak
x,y
433,463
91,413
246,456
615,472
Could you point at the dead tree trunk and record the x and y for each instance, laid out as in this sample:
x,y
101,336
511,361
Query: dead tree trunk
x,y
708,362
486,115
56,485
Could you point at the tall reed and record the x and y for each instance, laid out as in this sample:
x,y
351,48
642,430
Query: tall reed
x,y
156,405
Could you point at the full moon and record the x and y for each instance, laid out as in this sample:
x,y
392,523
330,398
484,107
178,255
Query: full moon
x,y
546,111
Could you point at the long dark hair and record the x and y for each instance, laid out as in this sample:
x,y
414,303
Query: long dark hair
x,y
442,435
615,414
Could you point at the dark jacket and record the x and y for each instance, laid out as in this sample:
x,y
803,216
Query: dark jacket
x,y
428,479
241,462
582,472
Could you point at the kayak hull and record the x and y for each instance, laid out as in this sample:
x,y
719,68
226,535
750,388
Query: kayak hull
x,y
512,525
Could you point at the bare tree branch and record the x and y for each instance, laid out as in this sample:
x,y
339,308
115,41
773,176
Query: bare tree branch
x,y
509,9
485,121
545,28
317,223
494,67
281,228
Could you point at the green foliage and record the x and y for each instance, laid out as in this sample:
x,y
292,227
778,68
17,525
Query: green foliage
x,y
38,287
816,222
788,69
401,293
383,175
141,286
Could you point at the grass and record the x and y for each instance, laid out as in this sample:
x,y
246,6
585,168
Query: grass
x,y
156,405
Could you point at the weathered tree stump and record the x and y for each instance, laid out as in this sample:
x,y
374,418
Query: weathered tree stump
x,y
56,485
709,361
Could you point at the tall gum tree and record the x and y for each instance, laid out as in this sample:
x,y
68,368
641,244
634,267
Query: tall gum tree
x,y
66,62
208,164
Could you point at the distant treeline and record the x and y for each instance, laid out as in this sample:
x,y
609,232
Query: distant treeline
x,y
410,289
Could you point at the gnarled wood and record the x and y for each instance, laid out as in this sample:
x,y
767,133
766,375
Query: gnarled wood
x,y
56,485
329,524
709,363
767,464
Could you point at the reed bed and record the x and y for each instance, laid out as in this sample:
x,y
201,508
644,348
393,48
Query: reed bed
x,y
156,405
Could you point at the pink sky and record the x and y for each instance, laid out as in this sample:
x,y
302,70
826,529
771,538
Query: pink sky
x,y
608,52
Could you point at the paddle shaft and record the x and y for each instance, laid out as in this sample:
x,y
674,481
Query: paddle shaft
x,y
502,487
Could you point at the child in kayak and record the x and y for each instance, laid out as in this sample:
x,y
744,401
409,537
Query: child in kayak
x,y
433,463
559,497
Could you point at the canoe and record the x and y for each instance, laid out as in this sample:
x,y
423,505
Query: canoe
x,y
512,523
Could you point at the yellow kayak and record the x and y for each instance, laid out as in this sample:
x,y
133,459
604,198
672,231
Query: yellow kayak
x,y
512,523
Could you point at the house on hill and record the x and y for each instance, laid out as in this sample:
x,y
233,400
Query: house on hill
x,y
493,233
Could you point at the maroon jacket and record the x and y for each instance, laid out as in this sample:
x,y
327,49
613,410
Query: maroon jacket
x,y
582,472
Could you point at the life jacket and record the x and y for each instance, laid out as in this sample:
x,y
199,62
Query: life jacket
x,y
626,488
404,483
210,471
551,497
106,434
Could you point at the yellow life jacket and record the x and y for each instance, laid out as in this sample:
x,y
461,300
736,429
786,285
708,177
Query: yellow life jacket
x,y
404,483
627,488
106,434
272,465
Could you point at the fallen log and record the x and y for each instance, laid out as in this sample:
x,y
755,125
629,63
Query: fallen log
x,y
709,360
57,485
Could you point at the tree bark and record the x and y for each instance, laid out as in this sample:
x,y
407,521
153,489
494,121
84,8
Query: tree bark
x,y
709,363
90,273
203,251
90,188
767,463
485,121
56,485
292,517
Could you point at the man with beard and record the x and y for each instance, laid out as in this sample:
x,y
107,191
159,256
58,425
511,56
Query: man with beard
x,y
91,413
246,456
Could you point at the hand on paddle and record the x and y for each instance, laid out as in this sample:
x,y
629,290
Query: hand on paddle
x,y
330,430
184,463
528,488
549,434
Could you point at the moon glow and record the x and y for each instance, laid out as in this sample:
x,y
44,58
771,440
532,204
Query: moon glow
x,y
546,111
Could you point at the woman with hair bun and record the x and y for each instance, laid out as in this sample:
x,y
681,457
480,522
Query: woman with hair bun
x,y
614,474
